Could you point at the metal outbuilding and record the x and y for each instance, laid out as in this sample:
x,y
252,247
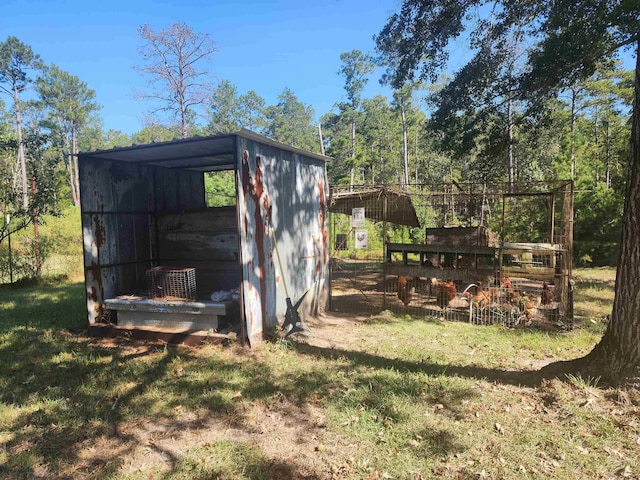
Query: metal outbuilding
x,y
144,207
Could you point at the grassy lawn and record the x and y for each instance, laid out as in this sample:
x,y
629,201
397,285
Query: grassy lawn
x,y
386,397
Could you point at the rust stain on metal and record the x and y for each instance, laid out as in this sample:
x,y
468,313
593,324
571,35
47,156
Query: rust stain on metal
x,y
246,182
255,191
94,298
99,231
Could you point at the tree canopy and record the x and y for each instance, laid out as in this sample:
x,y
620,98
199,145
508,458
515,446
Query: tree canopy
x,y
508,114
565,42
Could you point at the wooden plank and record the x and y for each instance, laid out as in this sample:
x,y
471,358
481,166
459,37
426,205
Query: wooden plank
x,y
210,220
198,246
142,304
465,276
135,311
175,320
420,248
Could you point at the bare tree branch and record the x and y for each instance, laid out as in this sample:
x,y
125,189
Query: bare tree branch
x,y
173,59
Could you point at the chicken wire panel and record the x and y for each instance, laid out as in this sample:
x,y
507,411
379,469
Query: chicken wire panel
x,y
357,286
483,253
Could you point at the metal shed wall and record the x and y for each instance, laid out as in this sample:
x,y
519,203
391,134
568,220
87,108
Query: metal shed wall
x,y
287,191
119,202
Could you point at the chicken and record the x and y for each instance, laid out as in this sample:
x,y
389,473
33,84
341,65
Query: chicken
x,y
481,298
512,295
506,284
444,292
527,306
405,291
546,297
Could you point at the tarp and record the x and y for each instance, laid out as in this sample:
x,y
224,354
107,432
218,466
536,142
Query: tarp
x,y
398,210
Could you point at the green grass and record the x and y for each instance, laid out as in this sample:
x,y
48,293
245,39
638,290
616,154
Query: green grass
x,y
396,398
594,297
61,248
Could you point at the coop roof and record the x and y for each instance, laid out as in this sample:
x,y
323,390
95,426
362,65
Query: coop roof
x,y
209,153
399,209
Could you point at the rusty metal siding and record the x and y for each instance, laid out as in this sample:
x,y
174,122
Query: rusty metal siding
x,y
286,191
118,204
177,190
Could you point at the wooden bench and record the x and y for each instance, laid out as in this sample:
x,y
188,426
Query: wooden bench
x,y
136,311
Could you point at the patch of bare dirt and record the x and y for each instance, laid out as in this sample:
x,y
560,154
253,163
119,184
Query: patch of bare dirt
x,y
291,437
332,330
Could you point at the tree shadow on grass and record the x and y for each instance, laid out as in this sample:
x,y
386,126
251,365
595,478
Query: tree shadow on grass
x,y
76,407
71,403
526,378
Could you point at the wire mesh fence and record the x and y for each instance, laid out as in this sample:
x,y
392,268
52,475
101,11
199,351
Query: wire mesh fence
x,y
22,268
483,253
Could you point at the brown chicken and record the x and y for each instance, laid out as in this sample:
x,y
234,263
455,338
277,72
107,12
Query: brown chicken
x,y
482,298
529,308
512,296
444,291
546,297
405,291
505,282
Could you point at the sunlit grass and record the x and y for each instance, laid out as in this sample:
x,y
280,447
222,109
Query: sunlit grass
x,y
403,398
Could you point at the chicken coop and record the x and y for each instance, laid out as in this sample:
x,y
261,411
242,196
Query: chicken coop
x,y
192,234
483,253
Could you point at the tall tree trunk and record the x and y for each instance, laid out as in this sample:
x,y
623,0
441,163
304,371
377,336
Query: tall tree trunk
x,y
596,138
21,155
416,154
617,356
36,230
321,138
183,117
572,143
511,166
353,154
68,161
405,145
608,156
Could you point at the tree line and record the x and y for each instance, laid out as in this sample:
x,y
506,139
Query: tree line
x,y
470,127
526,55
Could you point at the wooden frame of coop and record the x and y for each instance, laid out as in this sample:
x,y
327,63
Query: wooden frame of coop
x,y
483,269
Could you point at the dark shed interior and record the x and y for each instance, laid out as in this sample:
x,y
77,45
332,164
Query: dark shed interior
x,y
145,206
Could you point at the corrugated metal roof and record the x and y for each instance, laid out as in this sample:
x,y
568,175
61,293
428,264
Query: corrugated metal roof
x,y
398,209
215,152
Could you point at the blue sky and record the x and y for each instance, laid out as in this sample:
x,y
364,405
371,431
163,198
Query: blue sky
x,y
264,45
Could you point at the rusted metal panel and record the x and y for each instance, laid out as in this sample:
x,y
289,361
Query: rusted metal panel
x,y
124,206
115,201
285,191
258,279
119,202
210,234
206,239
178,190
100,283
